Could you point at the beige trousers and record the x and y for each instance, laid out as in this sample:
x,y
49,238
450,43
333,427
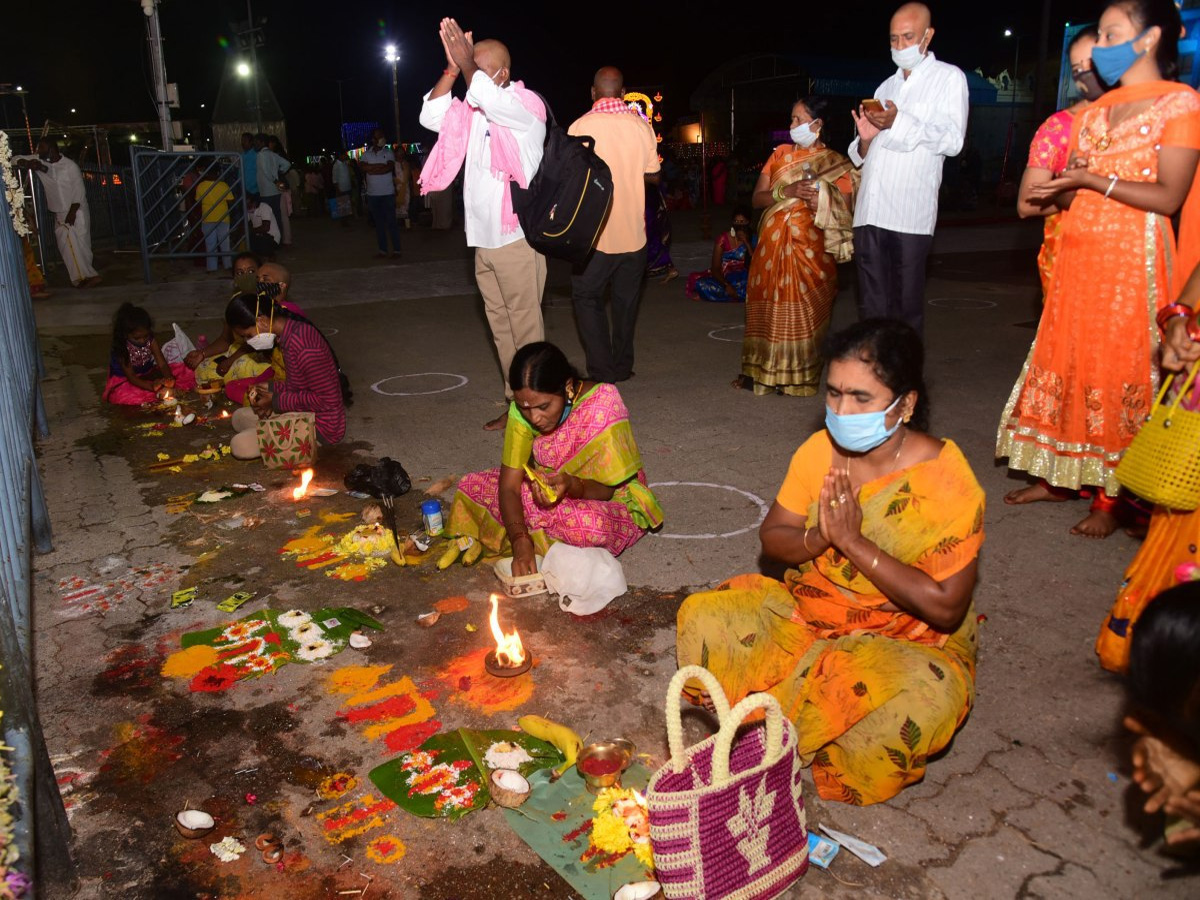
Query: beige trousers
x,y
511,279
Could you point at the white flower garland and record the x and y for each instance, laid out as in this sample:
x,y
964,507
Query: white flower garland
x,y
13,189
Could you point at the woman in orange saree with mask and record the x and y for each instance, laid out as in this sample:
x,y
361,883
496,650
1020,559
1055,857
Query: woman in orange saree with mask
x,y
807,192
1090,377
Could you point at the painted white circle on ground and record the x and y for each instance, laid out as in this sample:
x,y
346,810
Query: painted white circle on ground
x,y
962,303
733,340
377,387
753,498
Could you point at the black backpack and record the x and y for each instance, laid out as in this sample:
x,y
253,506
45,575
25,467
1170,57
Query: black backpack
x,y
566,204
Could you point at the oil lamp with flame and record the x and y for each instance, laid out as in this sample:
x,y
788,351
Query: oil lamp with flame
x,y
305,478
510,657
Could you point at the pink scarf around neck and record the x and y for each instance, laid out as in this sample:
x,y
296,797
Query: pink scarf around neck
x,y
448,154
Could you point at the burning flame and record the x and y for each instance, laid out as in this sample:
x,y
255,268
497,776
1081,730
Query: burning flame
x,y
509,651
305,478
224,414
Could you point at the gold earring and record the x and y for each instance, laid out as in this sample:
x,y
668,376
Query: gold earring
x,y
907,417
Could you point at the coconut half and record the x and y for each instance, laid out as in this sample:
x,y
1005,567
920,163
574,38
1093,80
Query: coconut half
x,y
429,619
509,788
193,823
359,641
638,890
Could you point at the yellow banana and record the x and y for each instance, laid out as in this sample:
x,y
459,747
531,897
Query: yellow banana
x,y
540,481
565,739
448,558
472,553
398,558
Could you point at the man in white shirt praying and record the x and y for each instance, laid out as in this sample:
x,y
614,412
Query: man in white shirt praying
x,y
510,274
920,118
66,200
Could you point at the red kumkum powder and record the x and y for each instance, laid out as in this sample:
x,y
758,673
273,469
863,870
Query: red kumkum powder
x,y
596,767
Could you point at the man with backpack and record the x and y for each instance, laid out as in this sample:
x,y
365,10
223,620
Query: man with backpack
x,y
626,142
496,137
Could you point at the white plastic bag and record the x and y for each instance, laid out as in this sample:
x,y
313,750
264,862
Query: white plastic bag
x,y
586,579
177,347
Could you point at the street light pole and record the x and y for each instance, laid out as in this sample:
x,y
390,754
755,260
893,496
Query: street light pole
x,y
258,127
1012,106
342,113
393,57
158,68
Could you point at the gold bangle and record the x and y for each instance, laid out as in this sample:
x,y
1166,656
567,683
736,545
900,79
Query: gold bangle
x,y
806,547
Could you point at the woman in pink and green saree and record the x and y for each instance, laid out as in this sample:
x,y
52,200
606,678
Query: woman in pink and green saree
x,y
570,469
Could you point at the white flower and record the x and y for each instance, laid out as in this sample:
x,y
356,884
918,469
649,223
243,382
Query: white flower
x,y
316,649
227,849
292,618
12,188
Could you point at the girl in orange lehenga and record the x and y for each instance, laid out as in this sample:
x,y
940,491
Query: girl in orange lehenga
x,y
808,193
1169,554
1049,152
1089,380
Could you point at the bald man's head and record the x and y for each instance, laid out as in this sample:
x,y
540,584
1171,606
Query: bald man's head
x,y
492,57
274,273
609,82
911,25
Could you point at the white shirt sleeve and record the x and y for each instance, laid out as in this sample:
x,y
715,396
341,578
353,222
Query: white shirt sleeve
x,y
434,110
941,131
500,106
855,156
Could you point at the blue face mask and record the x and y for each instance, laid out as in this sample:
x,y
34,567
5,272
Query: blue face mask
x,y
1111,63
860,432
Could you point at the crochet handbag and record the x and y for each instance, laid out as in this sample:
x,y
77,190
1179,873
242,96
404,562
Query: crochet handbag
x,y
288,440
727,815
1162,464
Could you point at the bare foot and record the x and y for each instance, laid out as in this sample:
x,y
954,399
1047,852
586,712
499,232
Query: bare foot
x,y
742,383
1035,493
498,423
1097,524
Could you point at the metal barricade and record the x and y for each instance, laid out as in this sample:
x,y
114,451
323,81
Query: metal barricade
x,y
24,526
170,214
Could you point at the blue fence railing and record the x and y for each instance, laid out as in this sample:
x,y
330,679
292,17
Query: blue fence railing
x,y
40,832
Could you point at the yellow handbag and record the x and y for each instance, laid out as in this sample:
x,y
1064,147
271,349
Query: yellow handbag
x,y
1162,463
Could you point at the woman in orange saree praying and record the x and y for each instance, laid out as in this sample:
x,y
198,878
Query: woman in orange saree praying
x,y
869,642
807,191
1091,374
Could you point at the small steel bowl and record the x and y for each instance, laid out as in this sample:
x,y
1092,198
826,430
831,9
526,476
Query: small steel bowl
x,y
618,750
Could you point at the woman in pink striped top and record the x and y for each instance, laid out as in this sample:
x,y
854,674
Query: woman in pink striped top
x,y
312,382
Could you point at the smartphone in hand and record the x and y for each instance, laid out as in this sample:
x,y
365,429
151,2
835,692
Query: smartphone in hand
x,y
872,105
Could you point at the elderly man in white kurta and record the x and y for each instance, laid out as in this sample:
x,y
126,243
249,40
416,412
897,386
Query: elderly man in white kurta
x,y
903,140
67,201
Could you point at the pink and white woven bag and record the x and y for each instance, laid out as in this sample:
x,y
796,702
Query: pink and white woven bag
x,y
727,815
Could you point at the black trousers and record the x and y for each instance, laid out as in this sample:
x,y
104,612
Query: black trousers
x,y
609,352
891,274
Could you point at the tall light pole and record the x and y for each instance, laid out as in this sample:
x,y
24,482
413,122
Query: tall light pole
x,y
390,55
251,34
342,112
158,69
1012,106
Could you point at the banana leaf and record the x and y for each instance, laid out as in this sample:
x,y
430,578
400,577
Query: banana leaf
x,y
446,777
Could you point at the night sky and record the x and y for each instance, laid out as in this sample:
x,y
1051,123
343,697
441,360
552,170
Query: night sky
x,y
102,71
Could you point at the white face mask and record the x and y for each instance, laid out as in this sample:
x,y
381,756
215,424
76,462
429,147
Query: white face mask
x,y
803,134
908,58
264,340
